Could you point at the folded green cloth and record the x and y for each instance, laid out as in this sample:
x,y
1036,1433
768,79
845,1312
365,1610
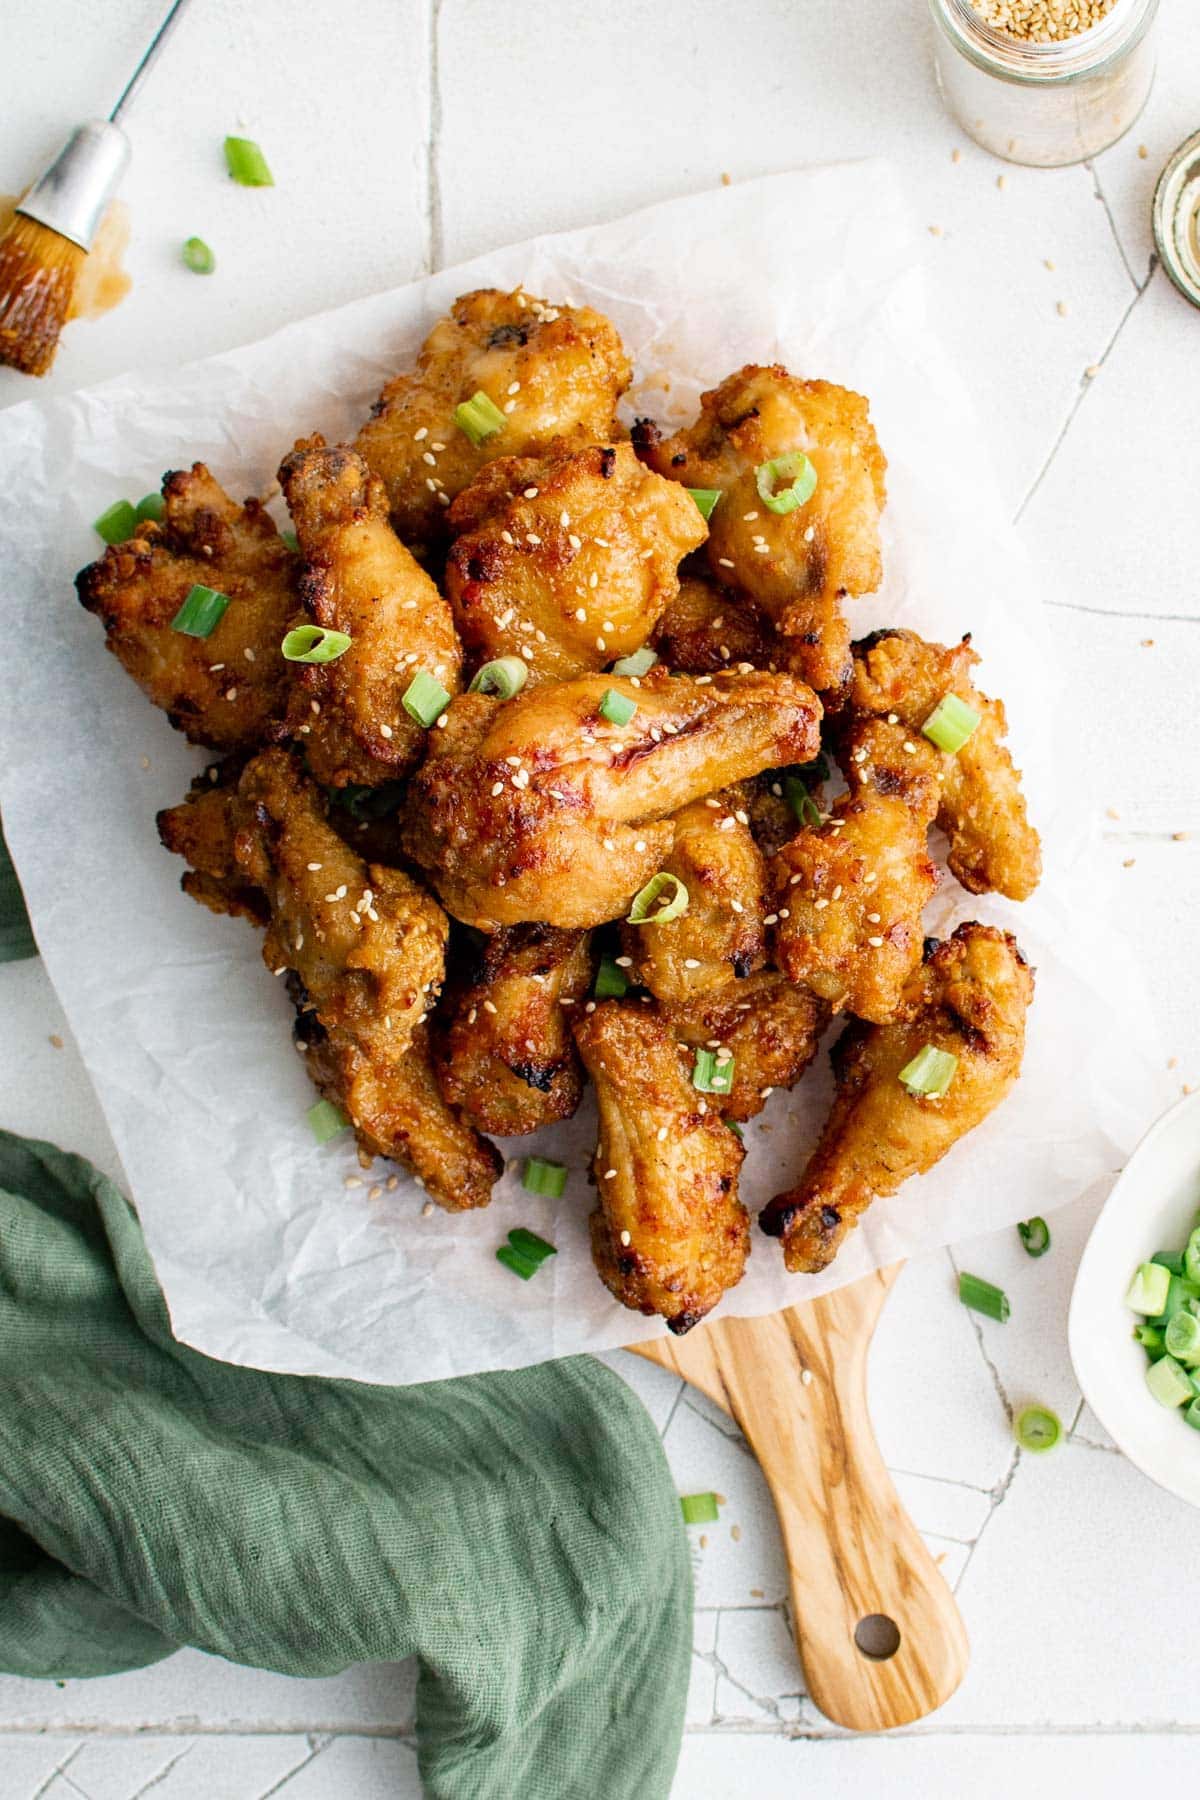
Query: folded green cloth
x,y
518,1533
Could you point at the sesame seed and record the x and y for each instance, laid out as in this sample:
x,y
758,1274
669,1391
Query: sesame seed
x,y
872,918
531,493
428,457
313,867
1061,309
514,387
623,962
497,789
625,1238
725,562
489,1006
510,406
876,943
385,731
375,1192
822,903
910,749
231,693
600,644
351,1181
248,653
581,615
575,542
690,962
610,1174
420,436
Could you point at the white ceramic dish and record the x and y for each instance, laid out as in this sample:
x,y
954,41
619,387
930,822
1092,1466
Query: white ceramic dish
x,y
1152,1207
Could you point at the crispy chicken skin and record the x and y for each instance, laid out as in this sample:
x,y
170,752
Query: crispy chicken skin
x,y
970,997
539,808
669,1235
818,553
503,1049
224,690
705,629
358,578
553,371
770,1027
721,936
566,559
993,847
849,893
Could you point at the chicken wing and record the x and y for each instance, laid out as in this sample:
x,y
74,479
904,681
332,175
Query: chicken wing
x,y
359,579
553,371
705,629
203,830
993,847
224,690
969,997
541,808
798,565
567,559
669,1235
770,1027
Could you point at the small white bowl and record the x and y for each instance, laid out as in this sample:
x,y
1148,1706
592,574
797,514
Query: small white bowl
x,y
1153,1206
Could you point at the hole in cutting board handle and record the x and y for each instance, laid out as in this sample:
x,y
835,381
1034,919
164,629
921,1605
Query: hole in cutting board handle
x,y
877,1637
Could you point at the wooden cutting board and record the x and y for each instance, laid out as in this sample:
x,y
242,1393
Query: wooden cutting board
x,y
852,1551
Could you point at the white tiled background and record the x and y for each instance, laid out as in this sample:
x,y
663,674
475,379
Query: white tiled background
x,y
405,133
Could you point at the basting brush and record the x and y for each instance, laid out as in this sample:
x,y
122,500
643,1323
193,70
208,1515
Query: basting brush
x,y
52,229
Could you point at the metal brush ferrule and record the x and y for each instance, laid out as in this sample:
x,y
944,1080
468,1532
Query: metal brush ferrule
x,y
71,197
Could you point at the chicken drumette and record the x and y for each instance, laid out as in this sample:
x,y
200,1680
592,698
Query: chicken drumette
x,y
770,1027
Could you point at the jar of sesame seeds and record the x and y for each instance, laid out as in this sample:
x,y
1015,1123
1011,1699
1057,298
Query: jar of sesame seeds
x,y
1045,82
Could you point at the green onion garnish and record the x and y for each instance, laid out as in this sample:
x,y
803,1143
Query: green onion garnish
x,y
736,1129
711,1075
363,803
1168,1383
616,708
542,1177
1191,1256
326,1120
151,506
950,724
816,770
1182,1338
290,539
982,1297
198,257
525,1252
797,471
1151,1340
116,522
479,417
506,677
1035,1235
1192,1415
698,1509
246,163
706,499
646,910
314,644
425,699
1037,1428
1149,1289
1170,1259
612,983
930,1073
200,613
800,800
640,663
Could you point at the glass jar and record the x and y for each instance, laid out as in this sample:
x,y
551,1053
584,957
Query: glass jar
x,y
1177,219
1045,103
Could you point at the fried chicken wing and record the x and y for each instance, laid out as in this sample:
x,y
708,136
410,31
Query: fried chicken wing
x,y
993,847
203,830
553,371
541,808
705,629
567,559
770,1027
669,1235
800,565
224,690
969,997
503,1049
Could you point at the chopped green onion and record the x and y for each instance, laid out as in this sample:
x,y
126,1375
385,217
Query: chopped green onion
x,y
797,471
711,1076
736,1129
1035,1235
290,539
530,1244
645,909
706,499
950,724
326,1120
151,506
612,983
363,803
618,709
1191,1256
525,1251
1169,1259
246,163
520,1265
1037,1428
699,1509
116,522
479,417
796,793
1151,1340
1192,1415
197,255
640,663
1182,1338
982,1297
541,1177
816,770
1149,1289
314,644
1168,1383
506,677
201,612
425,699
930,1073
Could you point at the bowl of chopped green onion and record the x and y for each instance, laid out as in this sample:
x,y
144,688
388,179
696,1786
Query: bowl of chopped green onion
x,y
1134,1328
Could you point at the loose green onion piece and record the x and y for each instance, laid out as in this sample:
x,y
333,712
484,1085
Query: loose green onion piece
x,y
646,909
1151,1340
1192,1415
290,539
1037,1428
425,699
612,983
796,793
116,522
797,471
246,163
711,1076
950,724
479,417
736,1129
930,1073
363,803
706,499
618,709
1168,1383
816,770
151,506
326,1120
529,1244
1180,1295
314,644
524,1266
1182,1338
200,613
699,1509
1149,1289
1169,1259
1191,1256
197,255
982,1297
506,677
1035,1235
541,1177
640,663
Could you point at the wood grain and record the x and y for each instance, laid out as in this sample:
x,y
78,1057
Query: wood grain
x,y
851,1549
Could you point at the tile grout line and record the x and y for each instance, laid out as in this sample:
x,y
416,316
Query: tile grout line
x,y
434,236
1102,197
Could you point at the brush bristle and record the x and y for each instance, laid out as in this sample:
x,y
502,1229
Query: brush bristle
x,y
38,268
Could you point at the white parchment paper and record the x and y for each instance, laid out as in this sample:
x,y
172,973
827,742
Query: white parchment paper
x,y
265,1256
